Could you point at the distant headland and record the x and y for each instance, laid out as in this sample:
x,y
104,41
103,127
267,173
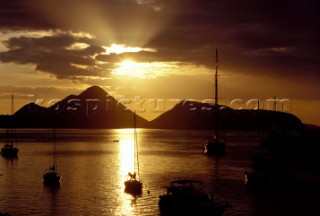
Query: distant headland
x,y
95,108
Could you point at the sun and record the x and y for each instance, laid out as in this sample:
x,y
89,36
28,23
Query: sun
x,y
128,64
131,68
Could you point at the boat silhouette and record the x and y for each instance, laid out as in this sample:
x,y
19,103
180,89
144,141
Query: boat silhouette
x,y
51,177
133,185
215,145
261,162
187,197
9,150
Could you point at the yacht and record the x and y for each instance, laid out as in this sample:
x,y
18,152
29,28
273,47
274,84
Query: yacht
x,y
187,197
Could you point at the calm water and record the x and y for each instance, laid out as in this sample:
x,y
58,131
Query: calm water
x,y
94,165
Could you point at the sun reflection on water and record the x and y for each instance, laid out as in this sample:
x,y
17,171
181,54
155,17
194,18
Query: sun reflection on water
x,y
126,155
126,164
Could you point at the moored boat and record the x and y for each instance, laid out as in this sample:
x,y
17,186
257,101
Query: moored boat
x,y
215,145
133,185
51,177
187,197
256,178
9,151
261,162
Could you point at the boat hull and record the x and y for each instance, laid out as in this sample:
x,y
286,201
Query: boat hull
x,y
9,151
186,197
51,178
169,205
214,147
133,187
256,178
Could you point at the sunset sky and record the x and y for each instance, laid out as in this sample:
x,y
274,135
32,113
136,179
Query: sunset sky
x,y
161,51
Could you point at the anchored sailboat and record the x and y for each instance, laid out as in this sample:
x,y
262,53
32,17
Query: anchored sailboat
x,y
215,145
261,162
9,150
51,176
133,185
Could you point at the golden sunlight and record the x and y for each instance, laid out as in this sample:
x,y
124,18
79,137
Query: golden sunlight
x,y
126,153
127,156
151,70
132,69
126,159
128,64
122,48
78,46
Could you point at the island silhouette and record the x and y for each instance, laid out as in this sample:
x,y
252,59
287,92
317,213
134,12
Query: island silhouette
x,y
95,108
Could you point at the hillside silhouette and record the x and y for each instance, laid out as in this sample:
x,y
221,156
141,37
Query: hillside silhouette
x,y
95,108
197,115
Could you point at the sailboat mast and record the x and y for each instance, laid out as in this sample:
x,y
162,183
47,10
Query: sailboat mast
x,y
216,109
54,148
54,137
12,104
135,142
259,129
12,128
216,80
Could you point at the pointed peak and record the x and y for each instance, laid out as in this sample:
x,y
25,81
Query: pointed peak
x,y
30,108
93,91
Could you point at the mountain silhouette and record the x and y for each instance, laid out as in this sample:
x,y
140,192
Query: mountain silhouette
x,y
95,108
200,116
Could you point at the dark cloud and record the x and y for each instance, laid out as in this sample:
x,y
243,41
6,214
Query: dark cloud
x,y
17,15
53,54
275,38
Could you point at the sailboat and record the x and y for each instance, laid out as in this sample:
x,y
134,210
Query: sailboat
x,y
8,150
215,145
51,176
133,185
261,162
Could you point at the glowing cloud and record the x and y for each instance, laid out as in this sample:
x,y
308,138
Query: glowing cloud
x,y
122,48
152,70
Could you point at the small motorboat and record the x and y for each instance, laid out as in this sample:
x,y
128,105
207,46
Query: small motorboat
x,y
9,151
187,197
